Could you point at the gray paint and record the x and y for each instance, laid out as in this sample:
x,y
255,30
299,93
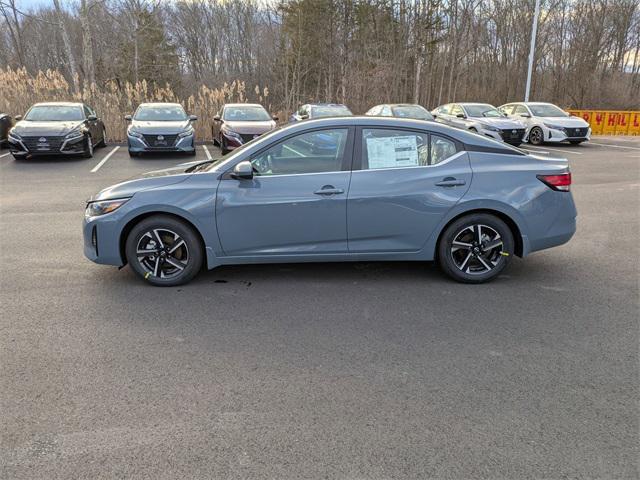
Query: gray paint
x,y
392,214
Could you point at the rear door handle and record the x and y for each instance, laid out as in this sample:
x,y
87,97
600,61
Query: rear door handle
x,y
450,182
329,190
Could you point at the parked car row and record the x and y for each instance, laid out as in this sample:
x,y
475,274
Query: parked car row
x,y
63,128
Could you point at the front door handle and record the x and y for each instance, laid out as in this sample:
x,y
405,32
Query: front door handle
x,y
329,190
450,182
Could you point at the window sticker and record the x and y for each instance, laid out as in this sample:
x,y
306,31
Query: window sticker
x,y
390,152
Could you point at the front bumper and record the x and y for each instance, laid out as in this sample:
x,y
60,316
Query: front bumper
x,y
53,146
554,135
181,144
102,239
504,135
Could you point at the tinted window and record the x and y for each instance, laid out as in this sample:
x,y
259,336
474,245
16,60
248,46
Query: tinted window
x,y
330,111
520,109
383,148
547,110
311,152
160,113
456,110
482,110
55,113
246,114
412,111
441,149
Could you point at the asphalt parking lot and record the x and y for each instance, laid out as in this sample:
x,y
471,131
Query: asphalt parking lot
x,y
348,371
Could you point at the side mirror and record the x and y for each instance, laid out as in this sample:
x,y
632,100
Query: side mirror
x,y
216,118
461,115
243,170
128,118
92,118
525,115
274,117
18,118
193,118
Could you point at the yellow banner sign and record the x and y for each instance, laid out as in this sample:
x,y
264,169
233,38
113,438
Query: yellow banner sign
x,y
610,122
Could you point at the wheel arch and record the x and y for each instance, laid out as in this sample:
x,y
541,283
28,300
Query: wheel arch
x,y
126,230
511,223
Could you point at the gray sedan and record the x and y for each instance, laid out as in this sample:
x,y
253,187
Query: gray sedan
x,y
338,189
160,127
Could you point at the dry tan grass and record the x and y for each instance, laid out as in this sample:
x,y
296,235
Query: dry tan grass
x,y
113,101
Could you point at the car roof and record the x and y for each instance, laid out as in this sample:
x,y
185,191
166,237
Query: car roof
x,y
473,103
159,104
327,105
58,104
242,105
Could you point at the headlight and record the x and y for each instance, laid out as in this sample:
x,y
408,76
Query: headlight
x,y
552,126
74,134
489,127
133,133
103,207
14,135
186,133
231,133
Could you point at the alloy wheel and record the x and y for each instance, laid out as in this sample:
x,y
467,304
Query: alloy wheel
x,y
535,137
162,253
477,249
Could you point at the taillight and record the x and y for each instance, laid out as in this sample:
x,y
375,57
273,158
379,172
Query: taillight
x,y
561,183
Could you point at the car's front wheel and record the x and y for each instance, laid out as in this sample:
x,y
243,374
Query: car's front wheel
x,y
88,147
164,251
475,248
536,136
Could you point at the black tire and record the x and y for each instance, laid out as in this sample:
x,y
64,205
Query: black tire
x,y
223,147
192,153
536,136
190,255
473,129
469,265
103,141
575,142
88,147
515,144
134,154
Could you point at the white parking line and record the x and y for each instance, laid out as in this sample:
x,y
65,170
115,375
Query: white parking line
x,y
206,152
5,155
560,150
104,160
614,146
294,151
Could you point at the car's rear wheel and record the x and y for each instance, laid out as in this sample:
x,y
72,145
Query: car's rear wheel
x,y
164,251
475,248
536,136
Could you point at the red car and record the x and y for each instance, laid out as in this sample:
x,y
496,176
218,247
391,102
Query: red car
x,y
239,123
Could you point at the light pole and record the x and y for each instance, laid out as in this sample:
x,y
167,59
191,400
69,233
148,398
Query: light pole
x,y
532,49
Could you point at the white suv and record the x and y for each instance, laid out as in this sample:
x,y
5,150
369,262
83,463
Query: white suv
x,y
548,123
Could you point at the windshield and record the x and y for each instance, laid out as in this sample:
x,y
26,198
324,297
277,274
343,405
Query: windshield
x,y
330,111
160,113
547,110
482,110
412,111
246,114
55,113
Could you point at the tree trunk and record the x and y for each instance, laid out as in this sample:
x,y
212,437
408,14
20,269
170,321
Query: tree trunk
x,y
73,69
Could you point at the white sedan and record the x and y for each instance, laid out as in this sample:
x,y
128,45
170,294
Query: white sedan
x,y
548,123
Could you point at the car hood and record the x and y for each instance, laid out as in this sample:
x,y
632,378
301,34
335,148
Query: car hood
x,y
569,122
151,128
51,129
500,122
250,127
146,181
